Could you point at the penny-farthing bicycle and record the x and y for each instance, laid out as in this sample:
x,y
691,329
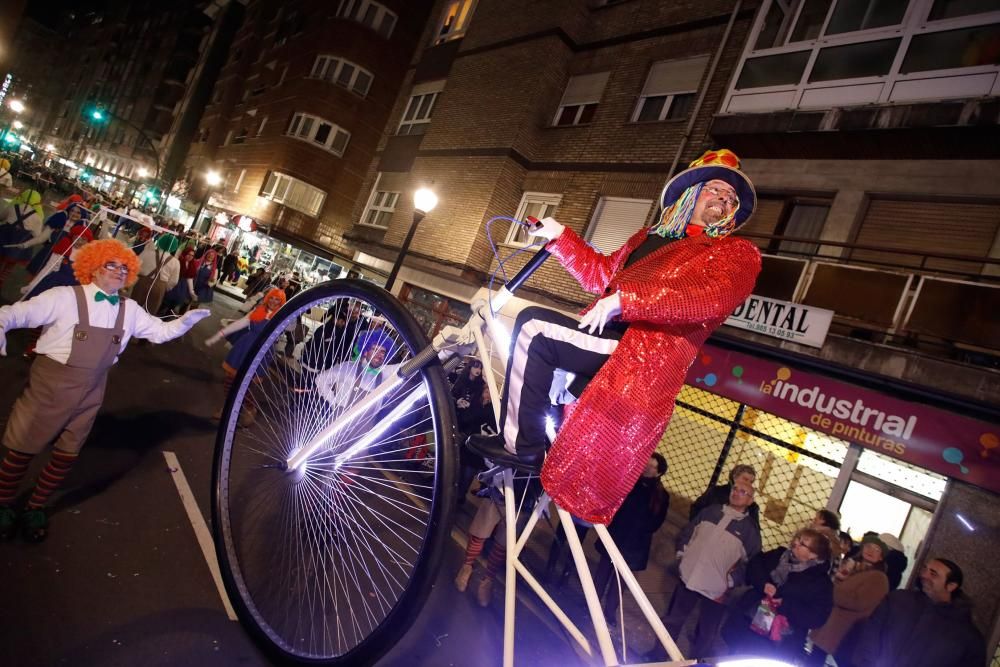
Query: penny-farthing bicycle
x,y
335,475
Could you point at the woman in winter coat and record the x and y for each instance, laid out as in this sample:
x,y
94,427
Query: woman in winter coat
x,y
797,582
860,585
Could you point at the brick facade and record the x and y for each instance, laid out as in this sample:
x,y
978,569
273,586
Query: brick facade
x,y
491,137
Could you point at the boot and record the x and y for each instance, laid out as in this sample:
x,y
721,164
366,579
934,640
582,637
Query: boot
x,y
462,578
484,593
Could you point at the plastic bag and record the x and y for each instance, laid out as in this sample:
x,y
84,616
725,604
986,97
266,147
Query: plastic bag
x,y
763,618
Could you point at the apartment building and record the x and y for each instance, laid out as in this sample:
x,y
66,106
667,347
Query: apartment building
x,y
294,121
862,375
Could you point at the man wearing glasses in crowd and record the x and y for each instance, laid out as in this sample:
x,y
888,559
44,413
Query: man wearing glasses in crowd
x,y
86,327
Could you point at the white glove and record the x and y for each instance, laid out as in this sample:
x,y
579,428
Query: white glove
x,y
547,228
192,317
3,343
603,310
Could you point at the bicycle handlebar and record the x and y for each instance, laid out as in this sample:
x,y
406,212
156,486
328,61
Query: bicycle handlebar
x,y
536,260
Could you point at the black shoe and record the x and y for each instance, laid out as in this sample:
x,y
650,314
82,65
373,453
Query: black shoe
x,y
491,447
8,523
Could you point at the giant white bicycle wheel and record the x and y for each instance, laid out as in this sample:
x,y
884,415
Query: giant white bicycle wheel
x,y
328,562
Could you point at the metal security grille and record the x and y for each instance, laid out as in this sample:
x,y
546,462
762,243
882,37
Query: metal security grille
x,y
796,466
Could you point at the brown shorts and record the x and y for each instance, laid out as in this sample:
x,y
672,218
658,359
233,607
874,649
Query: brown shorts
x,y
59,405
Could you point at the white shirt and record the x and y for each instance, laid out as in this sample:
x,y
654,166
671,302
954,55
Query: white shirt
x,y
170,271
55,310
350,381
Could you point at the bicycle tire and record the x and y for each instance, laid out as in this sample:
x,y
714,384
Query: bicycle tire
x,y
259,511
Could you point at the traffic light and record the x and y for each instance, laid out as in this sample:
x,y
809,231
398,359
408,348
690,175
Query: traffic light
x,y
151,196
95,113
11,138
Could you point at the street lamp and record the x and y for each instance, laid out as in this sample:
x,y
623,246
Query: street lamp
x,y
424,201
142,172
18,125
212,180
17,106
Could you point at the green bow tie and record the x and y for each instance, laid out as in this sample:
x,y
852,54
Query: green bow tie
x,y
101,296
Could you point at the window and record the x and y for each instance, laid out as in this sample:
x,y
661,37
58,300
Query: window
x,y
368,13
381,206
947,9
777,70
234,180
293,193
852,15
260,128
615,220
318,131
784,23
241,136
229,138
534,204
966,47
457,14
854,60
343,73
419,108
670,89
580,99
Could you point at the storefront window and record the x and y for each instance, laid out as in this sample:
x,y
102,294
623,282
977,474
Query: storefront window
x,y
434,311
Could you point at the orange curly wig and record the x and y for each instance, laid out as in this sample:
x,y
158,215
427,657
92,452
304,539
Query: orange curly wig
x,y
96,254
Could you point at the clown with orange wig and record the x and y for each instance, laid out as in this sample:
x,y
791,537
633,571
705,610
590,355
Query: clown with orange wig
x,y
242,333
86,327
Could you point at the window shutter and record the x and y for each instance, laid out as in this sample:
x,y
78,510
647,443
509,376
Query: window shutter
x,y
425,88
616,220
764,220
584,89
945,227
675,76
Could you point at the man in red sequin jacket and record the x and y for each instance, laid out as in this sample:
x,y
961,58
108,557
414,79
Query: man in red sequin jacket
x,y
662,294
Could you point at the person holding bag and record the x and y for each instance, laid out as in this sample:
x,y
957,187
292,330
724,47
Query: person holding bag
x,y
790,594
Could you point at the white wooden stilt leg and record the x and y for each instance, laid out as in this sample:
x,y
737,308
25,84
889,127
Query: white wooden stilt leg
x,y
510,574
540,506
553,607
640,597
589,592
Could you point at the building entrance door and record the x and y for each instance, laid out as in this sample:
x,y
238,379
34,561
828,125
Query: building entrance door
x,y
886,495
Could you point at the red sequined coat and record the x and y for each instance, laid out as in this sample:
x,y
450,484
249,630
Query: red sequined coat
x,y
673,299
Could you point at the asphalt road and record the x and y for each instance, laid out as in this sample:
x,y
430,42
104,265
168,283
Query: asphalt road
x,y
122,579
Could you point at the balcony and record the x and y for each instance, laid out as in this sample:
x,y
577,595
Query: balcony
x,y
818,54
937,304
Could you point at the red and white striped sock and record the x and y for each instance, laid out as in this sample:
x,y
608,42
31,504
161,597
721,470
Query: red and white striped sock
x,y
12,470
473,550
498,558
51,478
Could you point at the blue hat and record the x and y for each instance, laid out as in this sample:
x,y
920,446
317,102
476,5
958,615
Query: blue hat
x,y
720,165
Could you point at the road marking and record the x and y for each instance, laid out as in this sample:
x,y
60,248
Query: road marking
x,y
200,528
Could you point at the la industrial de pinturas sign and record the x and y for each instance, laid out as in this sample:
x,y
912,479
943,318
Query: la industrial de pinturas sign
x,y
791,321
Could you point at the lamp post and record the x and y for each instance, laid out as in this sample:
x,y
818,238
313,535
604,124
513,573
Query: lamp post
x,y
212,179
16,107
424,201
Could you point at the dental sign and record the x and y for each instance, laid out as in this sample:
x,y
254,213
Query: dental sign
x,y
781,319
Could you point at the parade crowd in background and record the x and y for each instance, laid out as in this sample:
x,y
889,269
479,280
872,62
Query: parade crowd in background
x,y
821,598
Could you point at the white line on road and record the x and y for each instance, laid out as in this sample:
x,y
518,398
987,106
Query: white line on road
x,y
200,528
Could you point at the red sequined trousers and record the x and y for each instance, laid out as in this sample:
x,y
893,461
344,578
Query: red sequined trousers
x,y
673,299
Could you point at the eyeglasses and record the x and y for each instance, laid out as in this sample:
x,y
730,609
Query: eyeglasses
x,y
120,269
728,198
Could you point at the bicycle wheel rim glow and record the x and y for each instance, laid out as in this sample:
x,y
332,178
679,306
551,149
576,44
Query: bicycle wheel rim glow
x,y
329,563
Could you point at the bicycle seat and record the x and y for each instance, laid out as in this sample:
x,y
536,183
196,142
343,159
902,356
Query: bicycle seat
x,y
491,447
